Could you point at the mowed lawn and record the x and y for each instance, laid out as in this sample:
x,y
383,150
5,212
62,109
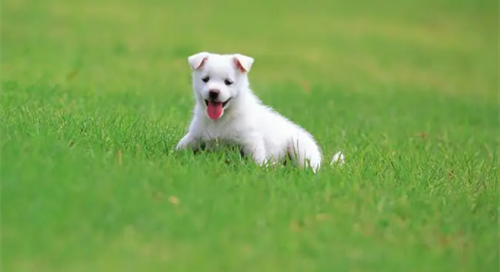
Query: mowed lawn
x,y
96,94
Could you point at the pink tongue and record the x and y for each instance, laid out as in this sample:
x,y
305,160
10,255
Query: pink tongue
x,y
214,110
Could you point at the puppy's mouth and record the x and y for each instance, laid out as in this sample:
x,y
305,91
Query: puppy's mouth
x,y
215,109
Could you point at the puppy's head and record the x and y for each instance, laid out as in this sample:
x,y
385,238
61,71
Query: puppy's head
x,y
217,79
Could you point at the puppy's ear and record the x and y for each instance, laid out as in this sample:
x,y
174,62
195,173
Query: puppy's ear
x,y
196,61
243,63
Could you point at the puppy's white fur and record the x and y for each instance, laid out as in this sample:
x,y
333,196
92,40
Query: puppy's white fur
x,y
259,131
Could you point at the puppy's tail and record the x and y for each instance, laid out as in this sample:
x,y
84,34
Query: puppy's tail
x,y
338,159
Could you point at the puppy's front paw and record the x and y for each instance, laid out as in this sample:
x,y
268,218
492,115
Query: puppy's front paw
x,y
184,142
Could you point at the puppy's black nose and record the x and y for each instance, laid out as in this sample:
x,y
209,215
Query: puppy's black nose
x,y
213,94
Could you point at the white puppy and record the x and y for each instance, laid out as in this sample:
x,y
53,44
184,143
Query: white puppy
x,y
227,110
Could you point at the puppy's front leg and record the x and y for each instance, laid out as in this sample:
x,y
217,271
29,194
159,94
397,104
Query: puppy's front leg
x,y
254,145
187,141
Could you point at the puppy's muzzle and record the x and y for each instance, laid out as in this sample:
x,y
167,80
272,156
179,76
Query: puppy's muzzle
x,y
223,103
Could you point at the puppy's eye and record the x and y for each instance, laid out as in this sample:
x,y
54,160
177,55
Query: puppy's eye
x,y
205,79
228,82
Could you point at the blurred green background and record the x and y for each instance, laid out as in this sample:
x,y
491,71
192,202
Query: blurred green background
x,y
95,94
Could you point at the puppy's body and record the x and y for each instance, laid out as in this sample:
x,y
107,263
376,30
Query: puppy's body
x,y
227,110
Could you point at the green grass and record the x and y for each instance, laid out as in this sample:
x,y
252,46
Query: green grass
x,y
95,95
